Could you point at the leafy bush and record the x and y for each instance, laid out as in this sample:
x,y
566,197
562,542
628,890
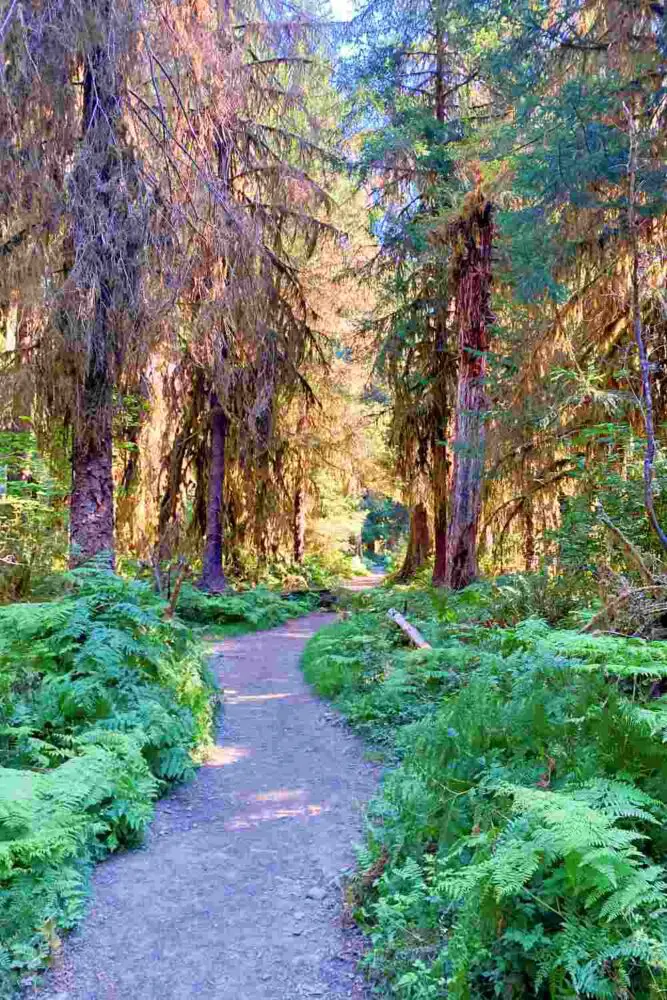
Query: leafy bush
x,y
103,705
257,609
518,849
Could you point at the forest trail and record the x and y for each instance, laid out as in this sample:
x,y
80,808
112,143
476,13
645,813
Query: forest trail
x,y
364,582
236,894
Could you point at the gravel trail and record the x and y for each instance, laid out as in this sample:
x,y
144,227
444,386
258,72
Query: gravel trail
x,y
236,895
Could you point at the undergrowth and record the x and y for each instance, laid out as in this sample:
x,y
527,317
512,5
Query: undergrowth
x,y
258,608
103,706
517,848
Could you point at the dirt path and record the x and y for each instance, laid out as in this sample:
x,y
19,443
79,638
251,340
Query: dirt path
x,y
364,582
236,895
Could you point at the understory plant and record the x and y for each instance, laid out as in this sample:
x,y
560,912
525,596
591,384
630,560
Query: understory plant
x,y
103,706
259,608
33,525
517,848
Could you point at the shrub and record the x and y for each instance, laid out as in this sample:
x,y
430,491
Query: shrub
x,y
103,705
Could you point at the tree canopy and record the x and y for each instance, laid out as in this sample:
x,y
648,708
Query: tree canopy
x,y
254,260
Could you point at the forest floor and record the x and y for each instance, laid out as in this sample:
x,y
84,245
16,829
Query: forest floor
x,y
237,893
364,582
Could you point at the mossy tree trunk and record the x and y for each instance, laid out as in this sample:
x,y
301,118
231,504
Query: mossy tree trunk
x,y
419,543
91,501
473,246
97,196
442,383
440,511
529,554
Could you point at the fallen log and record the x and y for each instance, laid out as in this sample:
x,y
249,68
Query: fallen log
x,y
413,634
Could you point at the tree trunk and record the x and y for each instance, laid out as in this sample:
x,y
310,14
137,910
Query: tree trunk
x,y
442,379
91,502
440,512
440,473
299,527
213,577
475,232
97,182
440,97
262,513
419,544
192,428
637,326
174,466
530,560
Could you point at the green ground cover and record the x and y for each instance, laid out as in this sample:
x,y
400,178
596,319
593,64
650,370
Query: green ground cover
x,y
103,707
517,846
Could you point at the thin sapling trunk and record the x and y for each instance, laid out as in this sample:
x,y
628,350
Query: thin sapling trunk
x,y
213,578
637,326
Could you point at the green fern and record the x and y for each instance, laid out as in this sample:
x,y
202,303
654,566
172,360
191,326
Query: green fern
x,y
259,608
102,705
524,831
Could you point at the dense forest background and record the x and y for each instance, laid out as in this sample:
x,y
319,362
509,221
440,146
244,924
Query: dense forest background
x,y
264,272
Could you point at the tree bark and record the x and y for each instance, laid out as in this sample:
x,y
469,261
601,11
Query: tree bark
x,y
441,465
91,501
299,527
475,232
530,561
442,377
174,465
440,109
419,544
638,330
632,553
170,610
94,207
440,512
213,577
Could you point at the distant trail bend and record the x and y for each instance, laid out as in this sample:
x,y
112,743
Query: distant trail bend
x,y
236,895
